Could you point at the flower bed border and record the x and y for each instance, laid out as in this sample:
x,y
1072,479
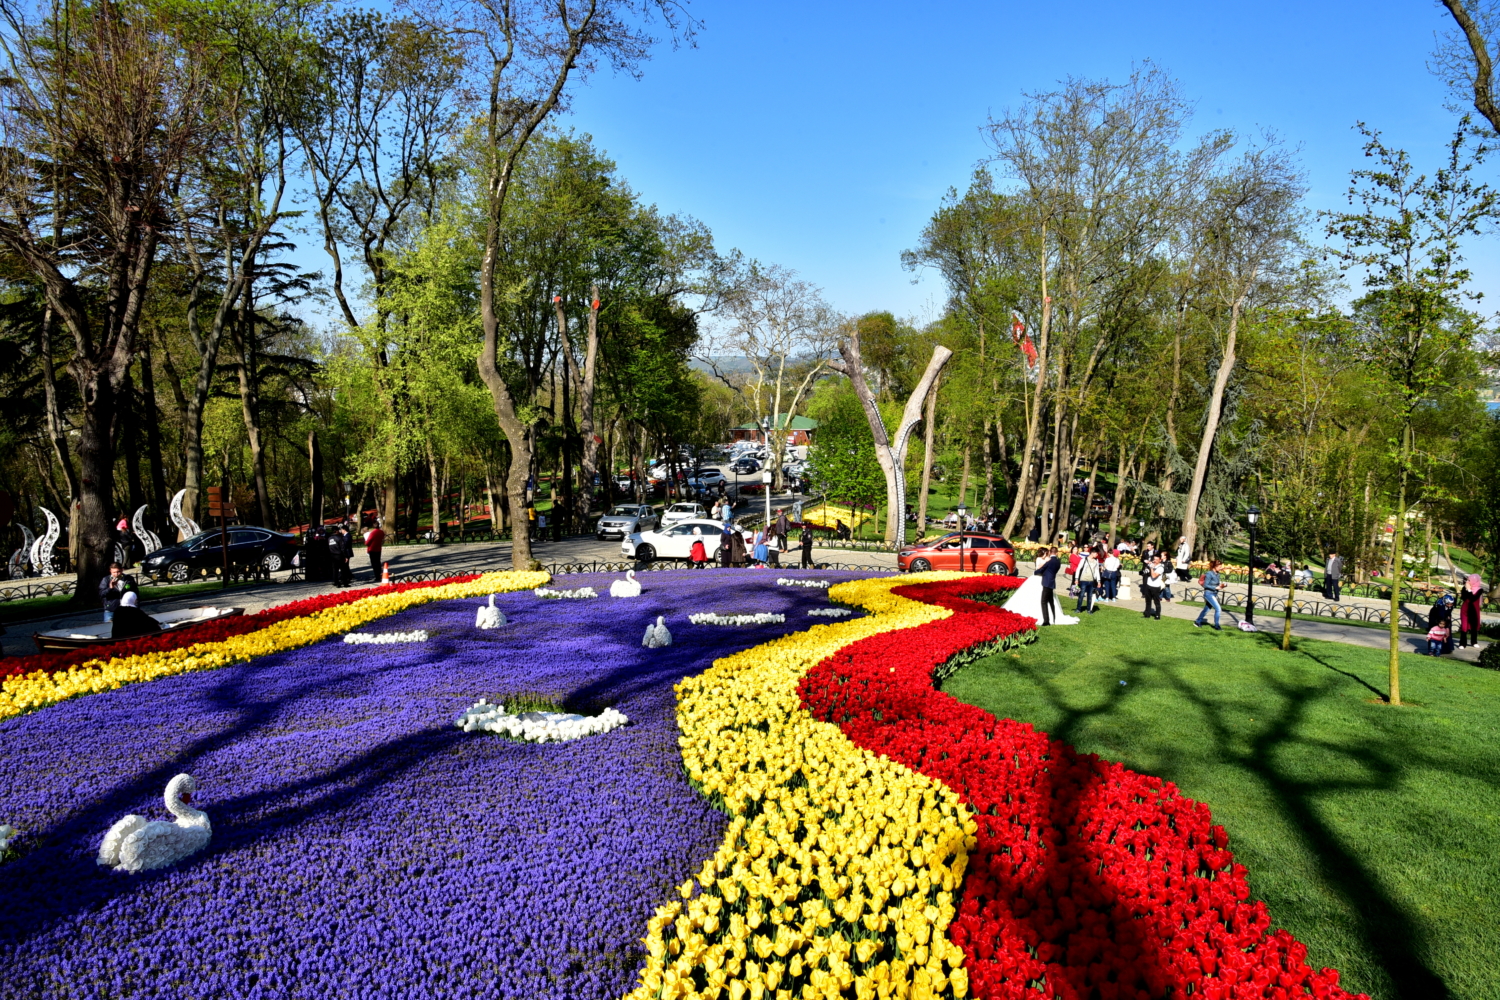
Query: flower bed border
x,y
1088,879
36,690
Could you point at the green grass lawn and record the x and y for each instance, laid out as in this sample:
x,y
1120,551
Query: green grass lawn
x,y
1372,832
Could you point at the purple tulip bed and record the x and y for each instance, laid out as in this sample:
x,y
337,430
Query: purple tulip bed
x,y
362,845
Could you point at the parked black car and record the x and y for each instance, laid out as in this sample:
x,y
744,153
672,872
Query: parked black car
x,y
745,466
248,545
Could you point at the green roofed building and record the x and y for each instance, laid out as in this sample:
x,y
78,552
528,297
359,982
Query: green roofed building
x,y
799,430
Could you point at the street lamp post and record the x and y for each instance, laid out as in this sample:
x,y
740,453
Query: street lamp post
x,y
963,516
1252,515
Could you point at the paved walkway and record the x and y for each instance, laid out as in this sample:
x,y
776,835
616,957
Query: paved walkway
x,y
1356,635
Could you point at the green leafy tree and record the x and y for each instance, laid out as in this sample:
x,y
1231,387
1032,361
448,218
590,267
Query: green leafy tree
x,y
1405,236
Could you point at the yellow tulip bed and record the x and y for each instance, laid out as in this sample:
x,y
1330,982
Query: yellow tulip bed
x,y
839,872
29,692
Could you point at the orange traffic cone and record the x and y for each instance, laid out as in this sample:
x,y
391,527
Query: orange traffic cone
x,y
385,573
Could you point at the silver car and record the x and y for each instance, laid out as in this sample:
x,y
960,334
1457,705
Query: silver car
x,y
625,520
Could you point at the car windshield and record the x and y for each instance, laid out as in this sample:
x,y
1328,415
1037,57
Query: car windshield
x,y
624,512
202,536
684,508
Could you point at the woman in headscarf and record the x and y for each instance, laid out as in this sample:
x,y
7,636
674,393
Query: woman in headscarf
x,y
130,621
698,554
1469,601
760,552
726,547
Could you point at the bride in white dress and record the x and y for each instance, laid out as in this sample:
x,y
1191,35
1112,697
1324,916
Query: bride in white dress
x,y
1028,601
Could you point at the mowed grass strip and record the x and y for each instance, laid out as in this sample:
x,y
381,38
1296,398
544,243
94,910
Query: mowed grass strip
x,y
1372,832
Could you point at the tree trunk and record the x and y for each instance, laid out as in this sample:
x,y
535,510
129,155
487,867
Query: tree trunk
x,y
129,421
1211,424
963,480
435,494
1122,472
988,497
892,456
586,414
244,335
1398,566
315,471
928,423
152,420
1033,425
388,519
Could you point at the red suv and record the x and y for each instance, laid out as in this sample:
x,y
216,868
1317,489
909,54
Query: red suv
x,y
981,552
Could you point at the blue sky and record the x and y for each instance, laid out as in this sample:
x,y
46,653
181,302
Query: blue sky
x,y
822,136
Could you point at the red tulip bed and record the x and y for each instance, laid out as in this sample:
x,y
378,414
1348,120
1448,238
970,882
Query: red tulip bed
x,y
211,631
1089,881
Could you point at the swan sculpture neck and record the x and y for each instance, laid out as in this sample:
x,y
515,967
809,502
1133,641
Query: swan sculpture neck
x,y
630,575
178,794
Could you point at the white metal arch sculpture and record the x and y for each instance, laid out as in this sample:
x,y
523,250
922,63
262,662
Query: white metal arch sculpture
x,y
185,524
21,558
41,549
149,539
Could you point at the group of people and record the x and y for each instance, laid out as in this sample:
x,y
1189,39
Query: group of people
x,y
751,548
1440,618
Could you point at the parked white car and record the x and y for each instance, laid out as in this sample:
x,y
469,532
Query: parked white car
x,y
626,519
674,542
682,512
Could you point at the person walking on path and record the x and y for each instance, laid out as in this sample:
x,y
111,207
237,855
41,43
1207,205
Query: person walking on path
x,y
760,552
1088,580
807,544
1153,582
114,587
1047,570
726,548
1333,573
783,528
1469,601
1184,561
1111,576
1212,587
340,549
374,542
699,553
736,548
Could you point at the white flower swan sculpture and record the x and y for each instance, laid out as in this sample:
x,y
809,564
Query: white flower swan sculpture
x,y
489,617
136,845
657,635
628,587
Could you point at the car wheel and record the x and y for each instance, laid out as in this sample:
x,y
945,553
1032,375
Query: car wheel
x,y
644,553
179,572
273,562
997,568
920,565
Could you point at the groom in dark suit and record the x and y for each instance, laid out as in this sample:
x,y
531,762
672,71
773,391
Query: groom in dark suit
x,y
1047,570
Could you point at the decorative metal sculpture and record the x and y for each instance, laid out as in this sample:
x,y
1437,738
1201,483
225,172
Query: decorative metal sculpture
x,y
21,558
41,550
185,524
149,540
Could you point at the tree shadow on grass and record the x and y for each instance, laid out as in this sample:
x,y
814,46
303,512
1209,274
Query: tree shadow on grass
x,y
1388,932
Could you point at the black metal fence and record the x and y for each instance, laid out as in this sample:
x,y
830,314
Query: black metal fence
x,y
565,568
20,591
1277,604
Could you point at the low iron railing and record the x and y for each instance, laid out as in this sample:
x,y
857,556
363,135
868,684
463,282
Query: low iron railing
x,y
1277,604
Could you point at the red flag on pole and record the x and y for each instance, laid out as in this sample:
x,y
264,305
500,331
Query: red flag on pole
x,y
1022,340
